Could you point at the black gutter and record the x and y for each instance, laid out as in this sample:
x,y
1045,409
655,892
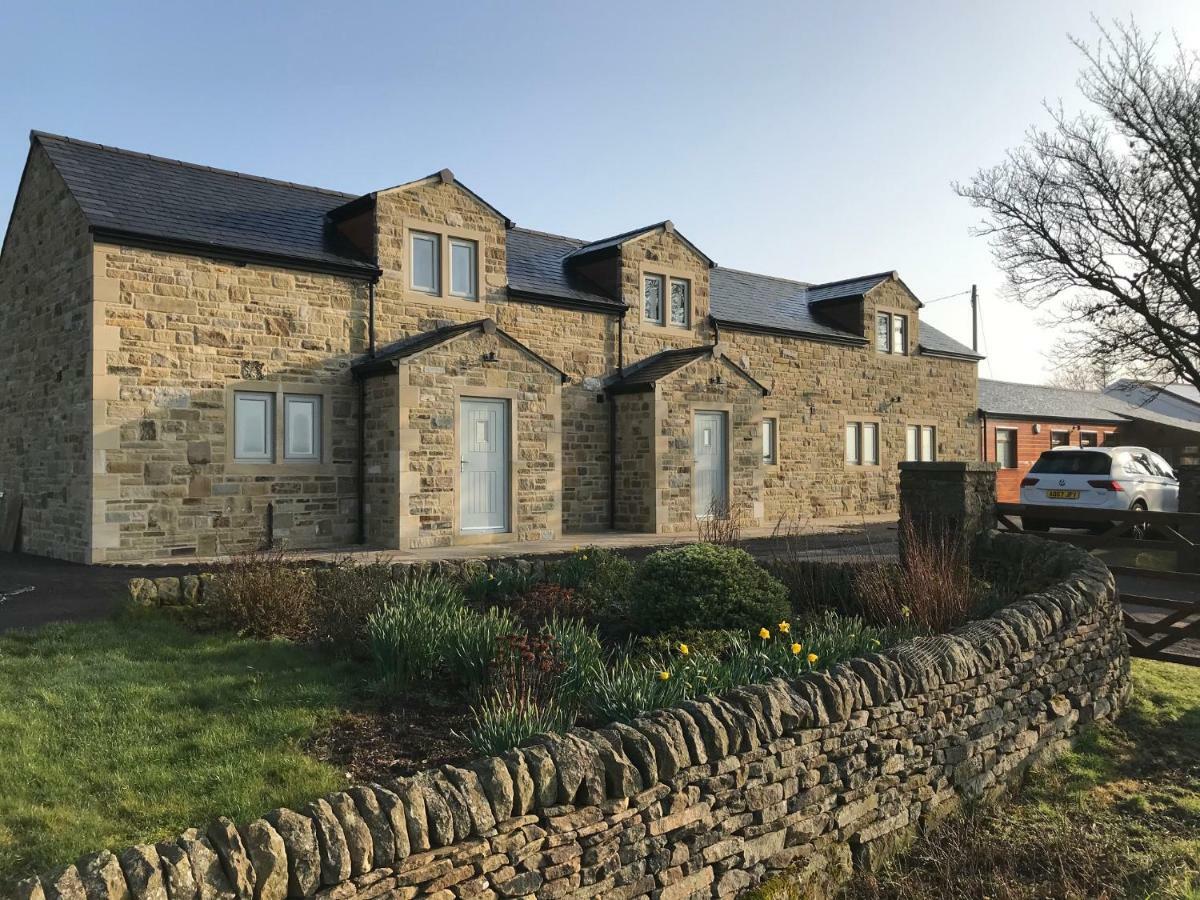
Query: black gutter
x,y
234,254
612,463
948,354
1040,417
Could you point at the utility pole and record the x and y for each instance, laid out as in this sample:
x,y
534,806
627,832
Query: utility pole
x,y
974,319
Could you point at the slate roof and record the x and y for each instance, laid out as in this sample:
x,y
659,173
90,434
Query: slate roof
x,y
1034,401
643,374
165,202
381,362
536,265
625,236
135,194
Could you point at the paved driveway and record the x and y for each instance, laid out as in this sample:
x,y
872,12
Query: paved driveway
x,y
61,590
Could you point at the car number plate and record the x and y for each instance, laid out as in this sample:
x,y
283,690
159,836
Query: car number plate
x,y
1063,495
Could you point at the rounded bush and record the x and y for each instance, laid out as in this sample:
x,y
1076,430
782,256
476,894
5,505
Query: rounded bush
x,y
706,586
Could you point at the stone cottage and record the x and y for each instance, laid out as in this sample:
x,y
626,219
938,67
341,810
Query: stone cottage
x,y
195,362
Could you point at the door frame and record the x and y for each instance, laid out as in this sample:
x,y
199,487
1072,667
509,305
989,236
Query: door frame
x,y
485,537
726,411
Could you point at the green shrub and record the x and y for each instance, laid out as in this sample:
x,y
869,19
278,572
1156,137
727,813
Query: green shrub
x,y
502,724
263,595
482,586
628,688
703,584
581,656
410,635
715,642
346,594
470,641
814,585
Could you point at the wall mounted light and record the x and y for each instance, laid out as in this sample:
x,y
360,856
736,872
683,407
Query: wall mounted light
x,y
1037,427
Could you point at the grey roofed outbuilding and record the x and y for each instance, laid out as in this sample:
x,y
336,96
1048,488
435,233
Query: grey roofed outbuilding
x,y
1039,401
163,203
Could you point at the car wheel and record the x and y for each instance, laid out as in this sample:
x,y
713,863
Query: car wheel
x,y
1140,531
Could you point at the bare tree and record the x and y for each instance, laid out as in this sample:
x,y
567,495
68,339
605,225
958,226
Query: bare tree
x,y
1079,374
1102,209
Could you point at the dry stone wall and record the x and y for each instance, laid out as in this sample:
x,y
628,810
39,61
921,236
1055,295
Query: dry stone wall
x,y
813,776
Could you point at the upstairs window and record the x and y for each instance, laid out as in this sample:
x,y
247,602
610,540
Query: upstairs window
x,y
426,262
653,292
891,332
464,269
681,301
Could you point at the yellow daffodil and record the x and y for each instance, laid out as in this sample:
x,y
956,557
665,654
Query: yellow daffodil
x,y
664,676
584,557
796,648
683,649
812,658
785,627
763,633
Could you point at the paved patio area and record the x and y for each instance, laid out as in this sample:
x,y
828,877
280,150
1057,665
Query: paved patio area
x,y
815,535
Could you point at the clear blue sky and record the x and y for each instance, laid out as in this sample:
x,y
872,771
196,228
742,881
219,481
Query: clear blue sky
x,y
814,141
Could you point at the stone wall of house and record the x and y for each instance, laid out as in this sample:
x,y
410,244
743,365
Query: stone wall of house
x,y
815,387
180,333
710,384
47,369
431,386
382,475
662,253
636,491
813,776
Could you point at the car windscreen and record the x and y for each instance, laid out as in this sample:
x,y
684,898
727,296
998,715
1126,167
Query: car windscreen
x,y
1066,462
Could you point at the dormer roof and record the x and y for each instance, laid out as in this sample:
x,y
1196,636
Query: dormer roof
x,y
666,226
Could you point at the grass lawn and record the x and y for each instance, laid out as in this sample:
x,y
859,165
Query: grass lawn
x,y
1118,817
133,729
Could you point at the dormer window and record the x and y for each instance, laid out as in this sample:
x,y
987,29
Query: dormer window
x,y
426,262
681,301
891,332
667,300
463,268
653,293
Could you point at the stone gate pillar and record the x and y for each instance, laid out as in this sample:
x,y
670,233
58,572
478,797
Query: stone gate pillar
x,y
955,497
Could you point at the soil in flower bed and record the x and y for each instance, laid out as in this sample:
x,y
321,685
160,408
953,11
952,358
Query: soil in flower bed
x,y
400,737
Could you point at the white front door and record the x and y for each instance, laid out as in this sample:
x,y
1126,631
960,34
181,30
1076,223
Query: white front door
x,y
483,481
711,476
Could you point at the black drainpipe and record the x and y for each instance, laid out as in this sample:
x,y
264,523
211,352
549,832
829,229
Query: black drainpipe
x,y
371,320
621,344
362,459
612,462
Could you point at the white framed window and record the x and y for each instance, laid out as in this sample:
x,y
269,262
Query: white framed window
x,y
681,301
891,332
862,443
920,443
302,427
253,426
883,332
1006,447
853,443
426,262
1060,438
653,298
870,444
464,268
770,440
1089,439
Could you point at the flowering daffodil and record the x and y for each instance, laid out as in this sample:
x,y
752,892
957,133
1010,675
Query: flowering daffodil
x,y
785,627
683,649
763,633
812,658
796,648
664,675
